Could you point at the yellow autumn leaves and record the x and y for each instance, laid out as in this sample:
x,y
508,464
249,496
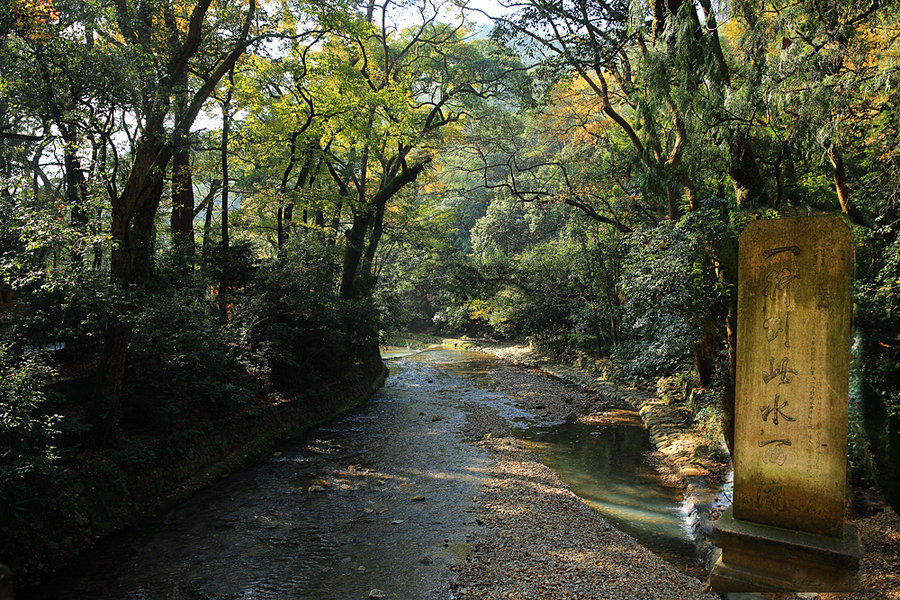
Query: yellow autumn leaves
x,y
29,18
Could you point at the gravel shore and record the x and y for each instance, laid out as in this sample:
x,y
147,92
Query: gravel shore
x,y
879,577
541,540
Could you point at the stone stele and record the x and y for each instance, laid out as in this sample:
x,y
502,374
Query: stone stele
x,y
785,530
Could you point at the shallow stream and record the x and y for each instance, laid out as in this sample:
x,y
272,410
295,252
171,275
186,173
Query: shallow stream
x,y
606,468
382,498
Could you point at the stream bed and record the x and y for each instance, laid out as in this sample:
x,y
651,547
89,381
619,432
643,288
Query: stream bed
x,y
384,498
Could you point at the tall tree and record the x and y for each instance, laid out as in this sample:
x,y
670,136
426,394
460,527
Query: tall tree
x,y
398,92
134,208
225,240
659,76
593,41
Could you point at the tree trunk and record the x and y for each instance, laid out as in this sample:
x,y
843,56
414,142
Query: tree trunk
x,y
288,219
706,350
659,18
843,190
744,172
76,192
728,277
882,428
750,194
207,232
282,228
98,245
353,253
280,236
182,219
706,346
672,198
134,210
367,273
225,248
131,229
206,206
335,223
598,329
133,215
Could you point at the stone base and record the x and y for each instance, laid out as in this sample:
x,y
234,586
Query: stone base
x,y
762,558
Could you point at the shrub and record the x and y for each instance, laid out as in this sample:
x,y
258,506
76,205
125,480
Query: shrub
x,y
672,295
291,328
180,362
875,389
27,429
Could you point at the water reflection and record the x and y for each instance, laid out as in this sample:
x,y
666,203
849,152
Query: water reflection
x,y
602,458
391,352
605,466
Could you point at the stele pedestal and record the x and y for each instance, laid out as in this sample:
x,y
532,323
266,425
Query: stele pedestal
x,y
785,530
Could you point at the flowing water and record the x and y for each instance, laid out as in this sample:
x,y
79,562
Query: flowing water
x,y
382,498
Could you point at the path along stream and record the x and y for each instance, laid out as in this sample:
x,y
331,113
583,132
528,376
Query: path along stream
x,y
383,498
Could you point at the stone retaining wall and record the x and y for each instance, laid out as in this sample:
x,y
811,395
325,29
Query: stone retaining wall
x,y
109,492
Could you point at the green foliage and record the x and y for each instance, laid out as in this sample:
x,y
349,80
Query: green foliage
x,y
27,428
534,270
875,390
875,413
68,313
180,361
858,455
670,289
290,328
53,299
582,20
423,234
570,291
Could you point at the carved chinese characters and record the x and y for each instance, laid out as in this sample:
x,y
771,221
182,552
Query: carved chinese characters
x,y
785,529
792,373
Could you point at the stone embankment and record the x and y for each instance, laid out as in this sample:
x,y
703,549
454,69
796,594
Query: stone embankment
x,y
108,492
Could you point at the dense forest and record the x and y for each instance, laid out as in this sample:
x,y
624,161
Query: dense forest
x,y
206,203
